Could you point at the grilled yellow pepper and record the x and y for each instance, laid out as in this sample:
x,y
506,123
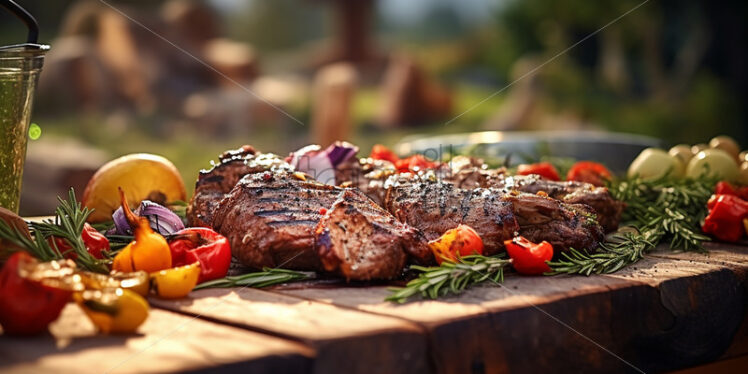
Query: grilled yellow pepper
x,y
113,310
149,251
176,282
138,281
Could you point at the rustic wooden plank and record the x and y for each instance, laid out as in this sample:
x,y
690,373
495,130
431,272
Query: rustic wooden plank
x,y
345,340
462,330
631,314
166,342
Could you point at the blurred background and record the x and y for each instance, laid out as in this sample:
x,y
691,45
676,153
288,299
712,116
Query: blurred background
x,y
189,79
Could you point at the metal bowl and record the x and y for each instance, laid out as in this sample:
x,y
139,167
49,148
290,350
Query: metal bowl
x,y
615,150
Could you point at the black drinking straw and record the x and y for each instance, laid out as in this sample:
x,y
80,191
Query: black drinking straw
x,y
26,17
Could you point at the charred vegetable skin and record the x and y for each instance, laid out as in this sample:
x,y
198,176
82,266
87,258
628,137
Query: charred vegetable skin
x,y
203,245
456,243
148,252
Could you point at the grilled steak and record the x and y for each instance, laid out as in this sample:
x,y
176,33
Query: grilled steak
x,y
469,172
563,225
361,241
435,207
607,209
269,219
212,185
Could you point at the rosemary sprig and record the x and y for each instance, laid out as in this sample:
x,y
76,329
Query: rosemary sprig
x,y
451,277
667,209
266,277
68,223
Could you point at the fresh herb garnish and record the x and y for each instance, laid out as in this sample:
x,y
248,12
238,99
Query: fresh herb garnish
x,y
68,223
451,277
667,209
266,277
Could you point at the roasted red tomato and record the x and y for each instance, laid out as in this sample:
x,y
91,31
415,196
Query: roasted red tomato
x,y
380,152
414,163
201,244
588,171
455,243
544,169
32,294
527,257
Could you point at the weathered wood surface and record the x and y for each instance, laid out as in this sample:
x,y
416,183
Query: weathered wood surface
x,y
167,342
345,340
669,311
666,312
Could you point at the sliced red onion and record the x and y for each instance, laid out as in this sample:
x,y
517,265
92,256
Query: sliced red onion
x,y
321,164
161,218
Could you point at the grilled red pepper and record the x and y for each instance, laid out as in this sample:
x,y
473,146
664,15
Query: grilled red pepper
x,y
588,171
725,219
95,243
527,257
27,304
201,244
725,188
544,169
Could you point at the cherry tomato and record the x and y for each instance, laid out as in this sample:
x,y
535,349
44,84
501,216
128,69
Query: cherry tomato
x,y
380,152
458,242
543,169
414,163
588,171
527,257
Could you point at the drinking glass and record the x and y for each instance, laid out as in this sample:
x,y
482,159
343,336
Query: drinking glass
x,y
19,71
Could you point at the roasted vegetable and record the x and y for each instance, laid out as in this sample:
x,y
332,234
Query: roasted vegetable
x,y
113,310
176,283
202,244
455,243
148,252
32,294
725,219
590,172
544,169
713,162
529,258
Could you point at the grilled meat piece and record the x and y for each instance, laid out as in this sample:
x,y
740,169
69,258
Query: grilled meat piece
x,y
212,185
563,225
435,207
269,219
361,241
607,209
470,172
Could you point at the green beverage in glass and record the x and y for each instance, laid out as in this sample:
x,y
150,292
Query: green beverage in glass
x,y
20,66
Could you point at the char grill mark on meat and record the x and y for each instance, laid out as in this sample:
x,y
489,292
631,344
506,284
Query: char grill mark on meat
x,y
435,207
361,241
607,209
468,172
269,219
563,225
212,185
495,214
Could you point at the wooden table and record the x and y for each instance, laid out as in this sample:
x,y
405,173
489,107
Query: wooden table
x,y
669,311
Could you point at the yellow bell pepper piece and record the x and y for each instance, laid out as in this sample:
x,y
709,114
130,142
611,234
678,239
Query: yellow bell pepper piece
x,y
149,251
176,283
138,281
113,310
